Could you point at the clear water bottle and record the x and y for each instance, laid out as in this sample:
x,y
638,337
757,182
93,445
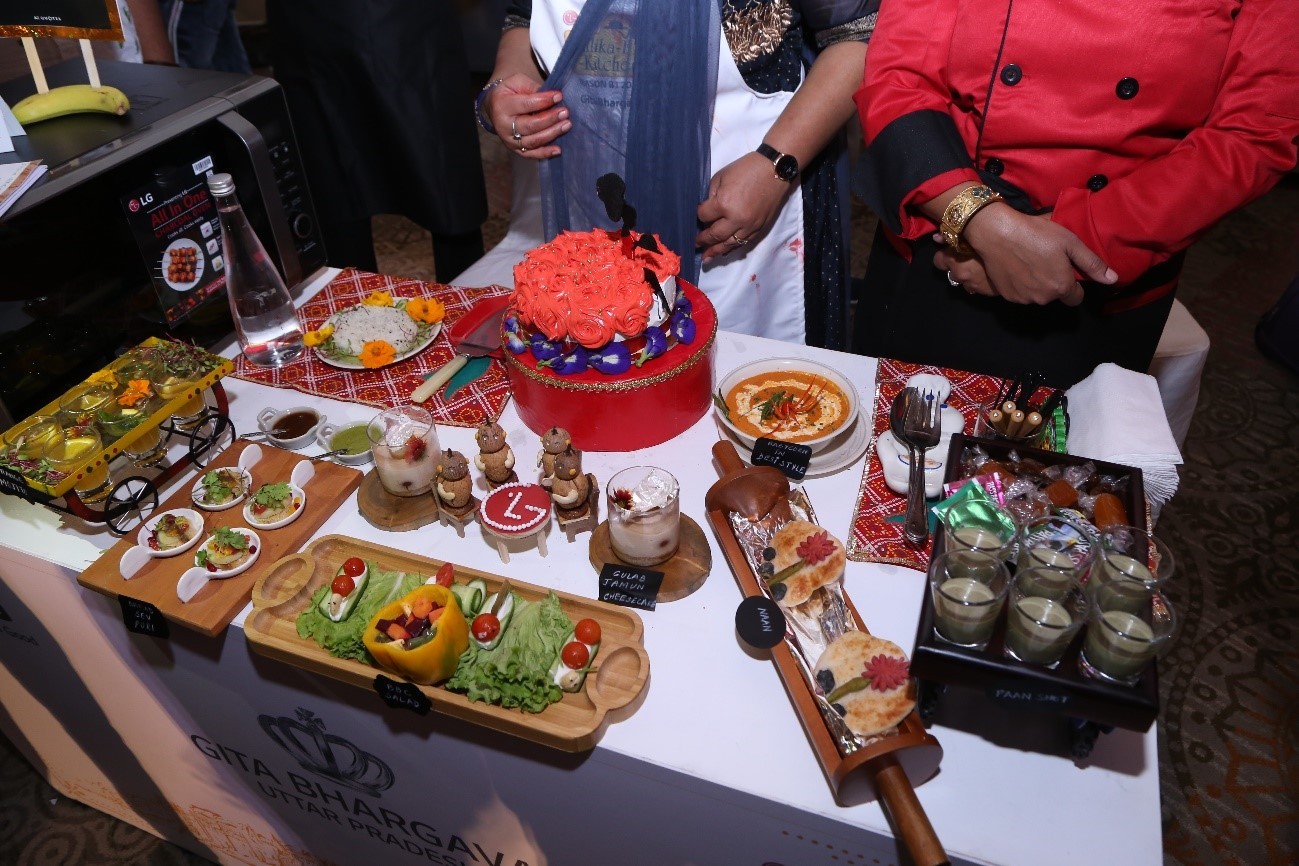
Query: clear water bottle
x,y
260,304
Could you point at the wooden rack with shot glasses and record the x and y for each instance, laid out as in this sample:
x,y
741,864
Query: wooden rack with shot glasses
x,y
132,498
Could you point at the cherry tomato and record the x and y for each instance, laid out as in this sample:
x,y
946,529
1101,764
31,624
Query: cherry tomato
x,y
446,574
588,631
343,585
575,655
354,566
485,627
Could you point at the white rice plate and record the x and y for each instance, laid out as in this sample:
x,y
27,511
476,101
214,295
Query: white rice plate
x,y
355,327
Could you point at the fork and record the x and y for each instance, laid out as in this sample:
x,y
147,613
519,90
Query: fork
x,y
921,431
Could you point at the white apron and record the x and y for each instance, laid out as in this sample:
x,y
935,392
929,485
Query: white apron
x,y
758,288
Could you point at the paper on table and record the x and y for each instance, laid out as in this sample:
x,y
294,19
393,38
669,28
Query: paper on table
x,y
1117,415
15,179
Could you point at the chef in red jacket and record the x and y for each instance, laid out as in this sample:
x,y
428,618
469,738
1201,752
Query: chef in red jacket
x,y
1040,167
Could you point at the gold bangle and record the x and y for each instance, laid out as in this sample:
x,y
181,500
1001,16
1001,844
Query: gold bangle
x,y
957,215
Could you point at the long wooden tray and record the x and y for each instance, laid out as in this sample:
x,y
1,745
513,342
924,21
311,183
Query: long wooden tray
x,y
887,769
574,724
216,604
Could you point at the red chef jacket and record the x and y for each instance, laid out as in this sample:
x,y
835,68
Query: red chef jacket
x,y
1138,123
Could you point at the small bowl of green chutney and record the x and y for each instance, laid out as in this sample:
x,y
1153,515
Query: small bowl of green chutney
x,y
349,438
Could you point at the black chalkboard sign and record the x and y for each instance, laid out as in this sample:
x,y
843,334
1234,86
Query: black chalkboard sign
x,y
143,618
72,19
402,696
629,585
792,458
760,622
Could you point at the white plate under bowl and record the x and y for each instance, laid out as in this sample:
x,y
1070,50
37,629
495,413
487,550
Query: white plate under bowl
x,y
299,496
784,365
196,493
146,532
841,454
254,541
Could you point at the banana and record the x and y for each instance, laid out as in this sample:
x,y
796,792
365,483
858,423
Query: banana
x,y
71,99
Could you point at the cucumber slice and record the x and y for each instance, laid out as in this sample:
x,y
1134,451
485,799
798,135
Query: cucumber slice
x,y
504,615
567,678
470,596
339,608
479,586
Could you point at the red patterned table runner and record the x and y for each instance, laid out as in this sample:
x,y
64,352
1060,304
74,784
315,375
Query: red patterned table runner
x,y
876,538
481,400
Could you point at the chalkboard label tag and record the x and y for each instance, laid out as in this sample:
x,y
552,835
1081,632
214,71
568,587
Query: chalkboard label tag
x,y
1028,696
143,618
792,458
630,585
760,622
402,696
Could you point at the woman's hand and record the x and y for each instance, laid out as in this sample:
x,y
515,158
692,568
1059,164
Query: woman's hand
x,y
525,118
743,199
1025,259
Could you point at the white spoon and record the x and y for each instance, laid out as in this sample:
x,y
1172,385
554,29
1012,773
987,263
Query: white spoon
x,y
193,580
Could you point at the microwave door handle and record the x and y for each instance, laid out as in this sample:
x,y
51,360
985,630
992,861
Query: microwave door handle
x,y
268,191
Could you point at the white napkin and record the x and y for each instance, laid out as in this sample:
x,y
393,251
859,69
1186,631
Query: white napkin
x,y
1117,415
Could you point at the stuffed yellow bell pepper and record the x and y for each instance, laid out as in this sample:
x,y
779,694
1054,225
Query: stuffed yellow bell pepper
x,y
419,637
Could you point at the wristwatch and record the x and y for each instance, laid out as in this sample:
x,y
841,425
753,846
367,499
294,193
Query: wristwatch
x,y
786,166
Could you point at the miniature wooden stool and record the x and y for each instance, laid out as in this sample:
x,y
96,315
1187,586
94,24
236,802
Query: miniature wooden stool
x,y
514,511
588,521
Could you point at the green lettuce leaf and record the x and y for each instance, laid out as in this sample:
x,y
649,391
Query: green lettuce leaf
x,y
343,639
516,672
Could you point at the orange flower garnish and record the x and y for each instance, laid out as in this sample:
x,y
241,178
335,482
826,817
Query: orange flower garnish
x,y
138,390
377,353
887,672
816,547
378,299
316,338
105,376
427,310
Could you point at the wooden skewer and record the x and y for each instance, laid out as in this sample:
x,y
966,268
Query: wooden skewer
x,y
34,61
87,55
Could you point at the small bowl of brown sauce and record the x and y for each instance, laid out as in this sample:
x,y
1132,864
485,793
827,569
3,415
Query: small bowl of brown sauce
x,y
290,428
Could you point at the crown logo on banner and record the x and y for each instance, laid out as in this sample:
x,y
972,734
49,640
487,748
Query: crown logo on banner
x,y
327,755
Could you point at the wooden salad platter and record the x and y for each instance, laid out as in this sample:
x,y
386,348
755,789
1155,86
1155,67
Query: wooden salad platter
x,y
887,768
217,603
574,724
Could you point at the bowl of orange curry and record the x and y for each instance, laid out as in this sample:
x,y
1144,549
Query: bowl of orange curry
x,y
790,399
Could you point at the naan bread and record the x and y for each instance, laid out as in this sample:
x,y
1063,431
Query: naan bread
x,y
867,711
800,586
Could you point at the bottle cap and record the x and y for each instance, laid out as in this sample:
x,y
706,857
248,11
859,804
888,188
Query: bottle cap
x,y
221,183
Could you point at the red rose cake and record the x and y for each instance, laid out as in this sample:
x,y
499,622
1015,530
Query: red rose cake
x,y
607,341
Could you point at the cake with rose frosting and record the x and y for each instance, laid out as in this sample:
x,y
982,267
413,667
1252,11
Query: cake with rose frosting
x,y
601,325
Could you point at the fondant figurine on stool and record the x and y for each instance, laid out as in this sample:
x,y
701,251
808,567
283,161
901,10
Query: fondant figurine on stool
x,y
457,504
553,443
495,458
576,494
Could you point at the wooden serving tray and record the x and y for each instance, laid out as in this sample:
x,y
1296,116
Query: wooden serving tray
x,y
574,724
886,769
216,604
1061,690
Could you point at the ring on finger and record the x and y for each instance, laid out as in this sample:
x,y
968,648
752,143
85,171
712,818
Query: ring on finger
x,y
739,240
953,281
514,130
523,148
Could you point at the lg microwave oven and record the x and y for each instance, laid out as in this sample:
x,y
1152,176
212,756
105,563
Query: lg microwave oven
x,y
88,256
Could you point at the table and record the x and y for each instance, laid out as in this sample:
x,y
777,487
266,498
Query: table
x,y
211,746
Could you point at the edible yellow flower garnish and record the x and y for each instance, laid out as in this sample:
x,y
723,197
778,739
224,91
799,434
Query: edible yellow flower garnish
x,y
427,310
377,353
137,391
378,299
316,338
105,376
